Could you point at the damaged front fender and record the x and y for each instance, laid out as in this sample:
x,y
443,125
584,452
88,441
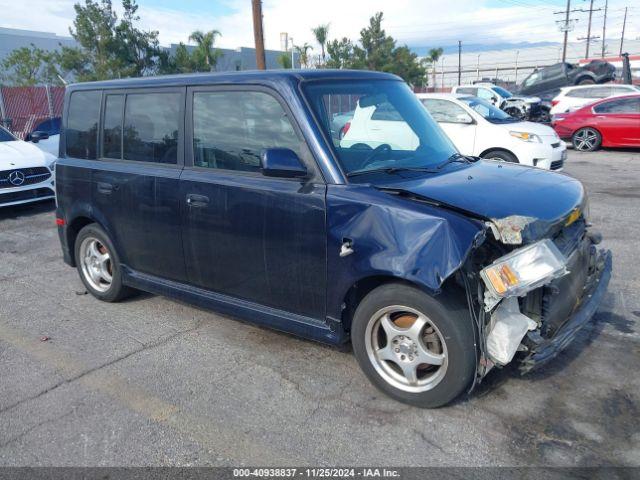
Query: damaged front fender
x,y
392,236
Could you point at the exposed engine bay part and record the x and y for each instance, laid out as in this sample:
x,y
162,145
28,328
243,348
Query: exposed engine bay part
x,y
507,328
509,230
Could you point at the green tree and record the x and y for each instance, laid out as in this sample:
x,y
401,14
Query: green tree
x,y
180,62
27,66
109,48
321,33
341,54
433,57
206,55
284,59
377,51
303,54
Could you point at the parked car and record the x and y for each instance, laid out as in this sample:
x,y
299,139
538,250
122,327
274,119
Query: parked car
x,y
46,135
228,191
526,108
479,129
612,122
544,81
26,172
572,98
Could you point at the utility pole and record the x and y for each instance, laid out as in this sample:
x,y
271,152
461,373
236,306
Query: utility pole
x,y
624,24
604,27
459,62
565,26
589,38
257,34
293,62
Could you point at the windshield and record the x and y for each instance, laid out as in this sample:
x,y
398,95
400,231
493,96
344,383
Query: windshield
x,y
385,125
5,136
502,92
488,111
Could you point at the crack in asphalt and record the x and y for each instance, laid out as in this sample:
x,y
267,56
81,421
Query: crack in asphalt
x,y
35,427
65,381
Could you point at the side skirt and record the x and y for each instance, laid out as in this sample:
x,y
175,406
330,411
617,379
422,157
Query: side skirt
x,y
300,325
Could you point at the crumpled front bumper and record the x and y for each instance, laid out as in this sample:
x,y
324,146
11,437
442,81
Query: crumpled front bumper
x,y
543,349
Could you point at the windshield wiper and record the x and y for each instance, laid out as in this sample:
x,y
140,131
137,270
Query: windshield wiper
x,y
391,170
456,157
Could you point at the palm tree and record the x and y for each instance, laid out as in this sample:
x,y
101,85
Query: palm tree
x,y
205,51
321,32
303,53
433,57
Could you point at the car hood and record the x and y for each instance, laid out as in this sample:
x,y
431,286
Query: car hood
x,y
521,203
19,154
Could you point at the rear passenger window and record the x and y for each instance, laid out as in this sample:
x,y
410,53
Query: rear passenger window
x,y
112,127
230,129
623,105
151,125
81,133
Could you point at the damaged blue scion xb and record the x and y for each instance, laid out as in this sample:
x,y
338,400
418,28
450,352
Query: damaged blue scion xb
x,y
237,192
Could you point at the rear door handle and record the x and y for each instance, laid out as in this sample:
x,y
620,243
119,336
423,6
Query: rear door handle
x,y
194,200
106,188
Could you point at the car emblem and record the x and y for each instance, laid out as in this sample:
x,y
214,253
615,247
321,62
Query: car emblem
x,y
16,178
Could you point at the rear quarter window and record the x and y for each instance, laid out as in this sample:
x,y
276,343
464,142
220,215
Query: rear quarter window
x,y
81,133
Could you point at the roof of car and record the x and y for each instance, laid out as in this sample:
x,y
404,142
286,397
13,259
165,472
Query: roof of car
x,y
246,76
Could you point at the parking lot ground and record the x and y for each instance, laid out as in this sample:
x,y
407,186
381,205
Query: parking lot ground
x,y
153,382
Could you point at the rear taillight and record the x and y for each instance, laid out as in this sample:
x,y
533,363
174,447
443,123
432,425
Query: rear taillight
x,y
60,222
345,129
554,102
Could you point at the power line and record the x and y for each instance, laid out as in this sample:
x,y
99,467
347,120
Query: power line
x,y
588,38
566,27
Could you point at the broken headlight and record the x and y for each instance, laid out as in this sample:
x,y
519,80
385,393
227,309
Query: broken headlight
x,y
524,269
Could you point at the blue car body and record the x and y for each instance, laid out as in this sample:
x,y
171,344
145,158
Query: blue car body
x,y
278,258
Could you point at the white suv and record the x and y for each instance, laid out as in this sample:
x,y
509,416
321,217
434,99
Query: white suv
x,y
573,98
26,172
530,108
479,129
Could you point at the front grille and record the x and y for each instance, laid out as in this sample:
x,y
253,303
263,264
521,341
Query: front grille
x,y
558,164
33,194
555,145
31,176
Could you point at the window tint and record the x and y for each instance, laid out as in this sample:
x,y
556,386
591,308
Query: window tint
x,y
622,105
81,134
386,111
485,94
112,127
444,110
230,129
151,125
5,136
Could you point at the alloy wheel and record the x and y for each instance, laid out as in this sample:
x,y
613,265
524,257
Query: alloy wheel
x,y
95,261
406,349
586,139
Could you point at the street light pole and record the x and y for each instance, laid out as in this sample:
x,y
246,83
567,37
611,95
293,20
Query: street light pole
x,y
293,61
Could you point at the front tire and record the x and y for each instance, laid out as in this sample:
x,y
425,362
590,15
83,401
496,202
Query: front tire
x,y
586,139
415,348
98,265
500,155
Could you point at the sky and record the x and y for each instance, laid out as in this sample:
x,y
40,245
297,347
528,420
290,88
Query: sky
x,y
418,23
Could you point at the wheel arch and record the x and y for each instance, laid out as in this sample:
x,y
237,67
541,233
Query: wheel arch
x,y
499,149
360,289
77,223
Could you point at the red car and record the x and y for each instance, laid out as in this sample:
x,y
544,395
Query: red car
x,y
611,122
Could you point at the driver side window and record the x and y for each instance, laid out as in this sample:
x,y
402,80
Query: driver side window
x,y
444,111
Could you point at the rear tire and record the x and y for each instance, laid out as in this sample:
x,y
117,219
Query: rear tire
x,y
500,155
586,81
586,139
415,348
99,265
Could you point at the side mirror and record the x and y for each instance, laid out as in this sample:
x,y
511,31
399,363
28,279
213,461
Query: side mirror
x,y
281,162
35,137
464,118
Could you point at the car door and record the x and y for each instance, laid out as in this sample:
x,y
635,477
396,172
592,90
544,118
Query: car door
x,y
248,236
456,123
136,186
618,120
385,122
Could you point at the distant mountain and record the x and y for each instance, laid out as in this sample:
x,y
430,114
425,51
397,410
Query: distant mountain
x,y
479,47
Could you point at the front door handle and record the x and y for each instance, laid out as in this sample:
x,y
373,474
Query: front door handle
x,y
106,188
194,200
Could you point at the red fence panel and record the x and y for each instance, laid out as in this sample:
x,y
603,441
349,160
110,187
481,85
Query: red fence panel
x,y
24,107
